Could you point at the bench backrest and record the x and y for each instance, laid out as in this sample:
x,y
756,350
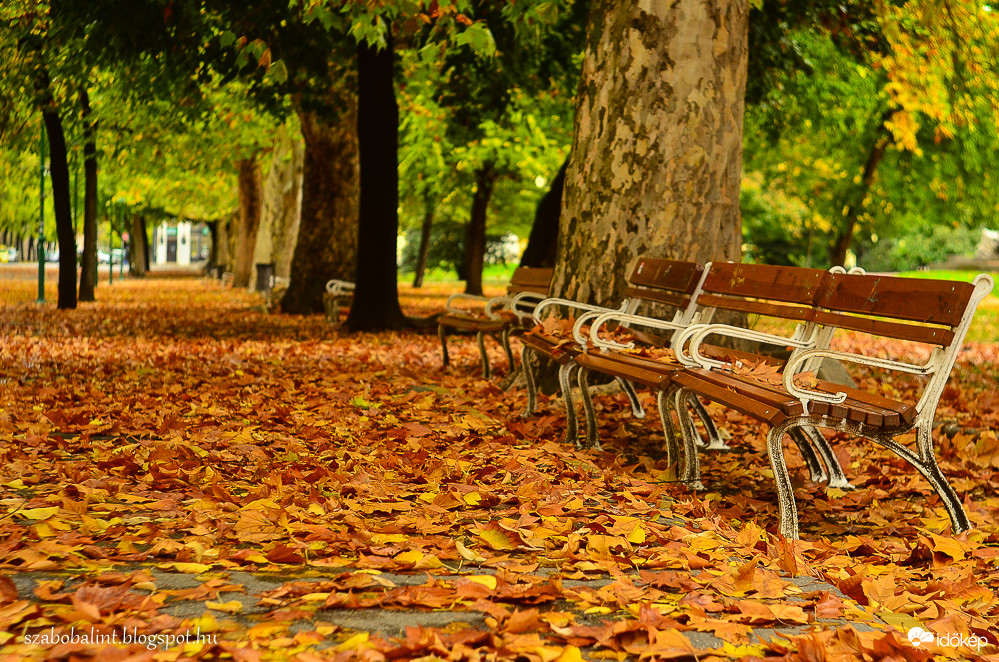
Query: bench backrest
x,y
530,279
671,282
915,309
763,289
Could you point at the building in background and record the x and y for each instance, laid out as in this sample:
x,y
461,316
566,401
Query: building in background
x,y
179,242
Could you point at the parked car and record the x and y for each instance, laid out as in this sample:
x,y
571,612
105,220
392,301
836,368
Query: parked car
x,y
11,254
103,257
52,256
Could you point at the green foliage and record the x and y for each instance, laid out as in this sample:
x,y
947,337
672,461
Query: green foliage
x,y
925,246
447,248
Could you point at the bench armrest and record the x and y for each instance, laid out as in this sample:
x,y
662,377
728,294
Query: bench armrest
x,y
572,305
339,287
696,335
523,305
806,395
637,320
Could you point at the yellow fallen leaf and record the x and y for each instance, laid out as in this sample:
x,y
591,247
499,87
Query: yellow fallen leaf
x,y
357,641
188,568
204,623
489,581
39,513
637,535
418,559
231,607
315,597
472,498
570,654
468,554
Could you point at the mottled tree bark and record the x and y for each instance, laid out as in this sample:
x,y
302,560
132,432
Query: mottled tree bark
x,y
282,204
327,233
376,296
475,231
249,219
657,147
88,270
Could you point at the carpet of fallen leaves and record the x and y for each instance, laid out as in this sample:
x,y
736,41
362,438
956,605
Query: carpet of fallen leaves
x,y
175,429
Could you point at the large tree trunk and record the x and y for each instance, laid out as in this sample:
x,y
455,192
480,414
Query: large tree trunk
x,y
137,246
249,219
88,272
475,231
858,194
429,208
59,175
657,143
543,242
377,292
282,204
327,233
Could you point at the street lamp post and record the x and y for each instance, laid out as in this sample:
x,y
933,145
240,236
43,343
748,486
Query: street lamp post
x,y
41,219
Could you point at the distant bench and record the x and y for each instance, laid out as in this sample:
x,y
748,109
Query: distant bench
x,y
781,393
499,317
338,292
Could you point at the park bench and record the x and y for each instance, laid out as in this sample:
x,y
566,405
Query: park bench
x,y
933,315
499,317
778,292
338,292
664,282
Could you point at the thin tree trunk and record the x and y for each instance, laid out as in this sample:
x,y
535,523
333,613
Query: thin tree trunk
x,y
137,246
145,242
327,233
543,241
424,252
88,270
377,293
475,231
59,176
250,194
656,159
853,209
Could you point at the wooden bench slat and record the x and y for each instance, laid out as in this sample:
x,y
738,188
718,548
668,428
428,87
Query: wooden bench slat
x,y
733,399
657,273
913,299
675,299
762,281
769,394
757,307
935,335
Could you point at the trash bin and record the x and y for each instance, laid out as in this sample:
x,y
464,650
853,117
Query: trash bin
x,y
265,277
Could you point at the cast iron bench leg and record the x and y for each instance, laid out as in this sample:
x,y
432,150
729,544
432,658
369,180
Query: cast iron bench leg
x,y
816,471
674,402
565,383
442,334
480,337
787,510
532,387
836,475
582,378
636,406
714,442
505,341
